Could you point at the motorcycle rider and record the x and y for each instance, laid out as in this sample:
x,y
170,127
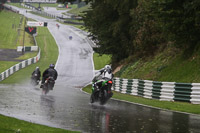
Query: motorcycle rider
x,y
36,73
104,74
49,72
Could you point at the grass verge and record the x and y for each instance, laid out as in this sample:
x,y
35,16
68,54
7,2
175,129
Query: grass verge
x,y
9,25
12,125
4,65
170,65
101,60
79,11
27,55
49,54
44,5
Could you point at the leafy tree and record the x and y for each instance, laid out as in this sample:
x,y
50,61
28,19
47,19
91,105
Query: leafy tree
x,y
1,4
180,20
124,28
145,31
108,22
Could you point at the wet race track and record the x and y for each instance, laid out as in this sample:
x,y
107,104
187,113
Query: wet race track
x,y
69,108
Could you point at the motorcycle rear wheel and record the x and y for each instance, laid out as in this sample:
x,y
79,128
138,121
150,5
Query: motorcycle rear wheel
x,y
45,89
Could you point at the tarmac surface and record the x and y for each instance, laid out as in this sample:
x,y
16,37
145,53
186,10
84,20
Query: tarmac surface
x,y
9,55
68,107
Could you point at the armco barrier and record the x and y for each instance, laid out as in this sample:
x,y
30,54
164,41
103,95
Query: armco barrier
x,y
165,91
20,65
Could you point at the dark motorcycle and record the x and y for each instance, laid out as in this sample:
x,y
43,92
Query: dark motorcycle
x,y
101,91
34,80
48,85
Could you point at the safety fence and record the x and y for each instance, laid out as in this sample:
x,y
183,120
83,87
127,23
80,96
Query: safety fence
x,y
27,48
20,65
164,91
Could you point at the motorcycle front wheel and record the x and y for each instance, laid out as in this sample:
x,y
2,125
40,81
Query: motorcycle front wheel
x,y
103,98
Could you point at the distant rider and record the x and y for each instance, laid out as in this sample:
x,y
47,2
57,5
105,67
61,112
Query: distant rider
x,y
58,26
49,72
36,73
104,74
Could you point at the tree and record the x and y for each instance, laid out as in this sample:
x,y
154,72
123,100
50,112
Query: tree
x,y
145,31
1,4
180,20
108,22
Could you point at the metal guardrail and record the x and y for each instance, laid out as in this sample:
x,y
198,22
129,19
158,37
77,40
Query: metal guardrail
x,y
164,91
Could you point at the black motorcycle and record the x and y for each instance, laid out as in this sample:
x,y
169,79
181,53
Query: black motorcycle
x,y
101,91
48,85
34,79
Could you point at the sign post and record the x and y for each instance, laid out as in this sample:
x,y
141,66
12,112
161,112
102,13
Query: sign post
x,y
24,36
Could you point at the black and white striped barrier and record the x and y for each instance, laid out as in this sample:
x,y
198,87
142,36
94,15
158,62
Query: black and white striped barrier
x,y
27,48
164,91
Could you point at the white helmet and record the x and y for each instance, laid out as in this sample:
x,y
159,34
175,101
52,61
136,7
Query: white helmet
x,y
107,67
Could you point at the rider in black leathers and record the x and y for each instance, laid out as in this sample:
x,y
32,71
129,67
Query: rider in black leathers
x,y
36,71
50,72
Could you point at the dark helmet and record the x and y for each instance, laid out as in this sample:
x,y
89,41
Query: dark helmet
x,y
51,66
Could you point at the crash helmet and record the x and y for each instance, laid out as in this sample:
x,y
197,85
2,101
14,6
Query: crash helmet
x,y
107,67
37,68
51,66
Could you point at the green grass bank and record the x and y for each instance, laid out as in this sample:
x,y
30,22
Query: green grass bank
x,y
170,65
79,11
9,26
